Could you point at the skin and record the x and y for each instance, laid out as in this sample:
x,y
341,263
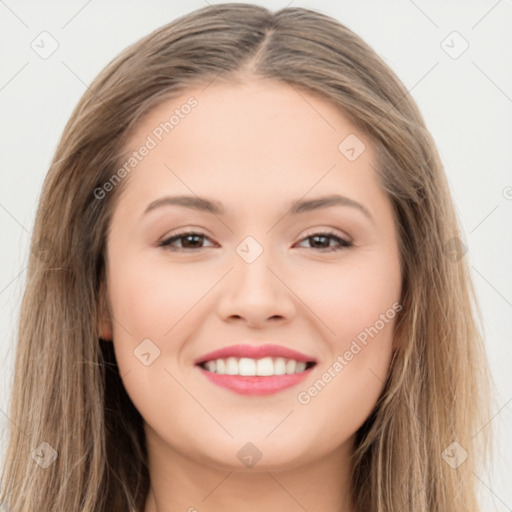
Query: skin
x,y
257,148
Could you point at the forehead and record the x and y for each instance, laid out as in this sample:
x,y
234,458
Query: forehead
x,y
259,138
257,115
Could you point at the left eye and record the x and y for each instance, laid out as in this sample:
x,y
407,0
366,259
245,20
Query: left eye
x,y
319,239
192,240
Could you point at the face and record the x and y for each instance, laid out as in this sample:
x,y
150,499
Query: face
x,y
265,265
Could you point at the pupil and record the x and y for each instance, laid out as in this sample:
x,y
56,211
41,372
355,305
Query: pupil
x,y
196,237
316,237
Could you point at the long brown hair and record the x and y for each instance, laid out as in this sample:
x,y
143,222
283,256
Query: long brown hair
x,y
67,391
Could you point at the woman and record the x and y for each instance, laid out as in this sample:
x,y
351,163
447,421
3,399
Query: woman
x,y
247,288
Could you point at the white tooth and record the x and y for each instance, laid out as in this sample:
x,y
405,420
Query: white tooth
x,y
265,366
291,365
279,365
221,366
301,366
231,366
211,366
246,366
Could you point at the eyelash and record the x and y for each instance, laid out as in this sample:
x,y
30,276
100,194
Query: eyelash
x,y
343,244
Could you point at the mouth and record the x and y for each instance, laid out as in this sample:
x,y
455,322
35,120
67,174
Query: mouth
x,y
248,367
255,369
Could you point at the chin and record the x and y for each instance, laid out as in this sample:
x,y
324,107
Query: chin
x,y
255,455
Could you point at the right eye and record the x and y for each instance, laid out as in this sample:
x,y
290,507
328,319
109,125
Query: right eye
x,y
190,240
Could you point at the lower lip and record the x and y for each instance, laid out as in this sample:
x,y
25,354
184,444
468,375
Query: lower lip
x,y
256,385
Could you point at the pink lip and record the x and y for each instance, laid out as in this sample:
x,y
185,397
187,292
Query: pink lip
x,y
255,385
255,352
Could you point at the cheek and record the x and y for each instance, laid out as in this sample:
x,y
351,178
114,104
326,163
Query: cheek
x,y
350,297
152,301
358,304
157,303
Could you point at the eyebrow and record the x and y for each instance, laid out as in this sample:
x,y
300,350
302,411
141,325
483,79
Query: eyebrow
x,y
216,207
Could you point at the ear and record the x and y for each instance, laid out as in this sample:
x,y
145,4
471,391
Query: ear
x,y
105,321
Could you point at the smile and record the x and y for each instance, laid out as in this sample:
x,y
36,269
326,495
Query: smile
x,y
247,367
255,369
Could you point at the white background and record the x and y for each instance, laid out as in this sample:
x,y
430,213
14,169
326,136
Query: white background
x,y
466,102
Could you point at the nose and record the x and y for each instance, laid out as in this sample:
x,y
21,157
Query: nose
x,y
256,293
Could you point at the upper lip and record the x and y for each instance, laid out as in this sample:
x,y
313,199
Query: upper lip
x,y
254,352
